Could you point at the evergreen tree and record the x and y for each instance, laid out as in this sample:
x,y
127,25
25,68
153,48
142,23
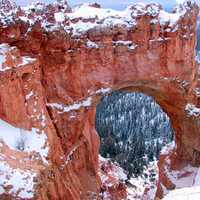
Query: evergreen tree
x,y
132,128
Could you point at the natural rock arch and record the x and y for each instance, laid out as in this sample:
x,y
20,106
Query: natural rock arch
x,y
76,60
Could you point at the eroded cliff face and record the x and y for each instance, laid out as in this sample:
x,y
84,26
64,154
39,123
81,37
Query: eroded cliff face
x,y
56,64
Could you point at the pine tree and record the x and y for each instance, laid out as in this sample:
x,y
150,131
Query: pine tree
x,y
132,128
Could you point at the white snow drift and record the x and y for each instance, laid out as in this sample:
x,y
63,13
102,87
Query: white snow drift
x,y
190,193
23,140
22,182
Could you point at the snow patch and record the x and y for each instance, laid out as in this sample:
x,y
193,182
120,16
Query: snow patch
x,y
127,43
90,45
170,18
120,174
3,49
192,110
22,182
67,158
103,91
103,18
187,177
173,18
29,95
59,17
148,180
24,140
68,108
197,92
169,147
183,178
27,60
189,193
197,178
86,17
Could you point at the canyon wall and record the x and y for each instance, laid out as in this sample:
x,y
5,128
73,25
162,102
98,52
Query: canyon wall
x,y
56,64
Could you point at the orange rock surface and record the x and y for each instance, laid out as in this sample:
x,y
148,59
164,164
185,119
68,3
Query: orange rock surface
x,y
67,60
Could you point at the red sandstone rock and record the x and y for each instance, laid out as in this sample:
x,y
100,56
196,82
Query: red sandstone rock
x,y
113,180
72,61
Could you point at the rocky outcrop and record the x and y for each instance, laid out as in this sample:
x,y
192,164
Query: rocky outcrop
x,y
56,64
113,180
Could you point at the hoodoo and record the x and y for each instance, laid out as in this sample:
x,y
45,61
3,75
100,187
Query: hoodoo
x,y
56,63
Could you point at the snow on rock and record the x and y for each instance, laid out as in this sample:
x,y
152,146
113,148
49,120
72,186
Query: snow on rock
x,y
69,156
170,18
37,5
59,17
24,140
106,196
27,60
129,44
17,61
169,147
7,4
184,177
113,180
197,178
90,45
188,193
27,20
127,18
29,95
119,173
86,17
102,17
112,175
179,11
103,91
197,92
112,170
67,108
63,5
3,49
86,11
192,110
148,180
188,176
22,182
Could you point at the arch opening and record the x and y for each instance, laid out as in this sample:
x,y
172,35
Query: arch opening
x,y
133,129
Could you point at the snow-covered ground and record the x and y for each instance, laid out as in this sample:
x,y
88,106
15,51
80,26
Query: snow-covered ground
x,y
112,174
147,180
23,140
19,180
189,193
185,180
22,181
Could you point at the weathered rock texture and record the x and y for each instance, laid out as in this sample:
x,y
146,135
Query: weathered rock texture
x,y
72,62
